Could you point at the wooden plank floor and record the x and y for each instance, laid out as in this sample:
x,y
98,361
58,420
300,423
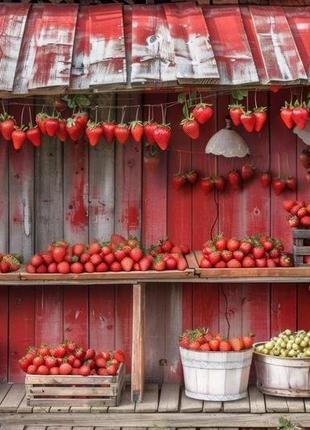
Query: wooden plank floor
x,y
163,407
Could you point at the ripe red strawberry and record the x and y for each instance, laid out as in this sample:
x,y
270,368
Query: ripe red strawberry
x,y
190,127
248,340
235,112
220,265
305,221
7,126
285,261
265,179
226,255
159,264
234,264
260,118
18,138
93,132
81,118
40,121
248,120
108,131
214,344
127,264
300,116
258,251
191,177
288,204
51,126
234,179
293,221
236,343
136,130
286,115
233,244
291,183
219,183
121,133
278,185
214,257
145,264
245,246
162,135
178,181
248,262
220,242
62,134
304,158
149,128
33,134
136,254
247,172
202,112
225,346
206,184
238,255
205,347
205,263
74,129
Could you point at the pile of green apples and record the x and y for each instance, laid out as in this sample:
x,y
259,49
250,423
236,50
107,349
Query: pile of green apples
x,y
287,344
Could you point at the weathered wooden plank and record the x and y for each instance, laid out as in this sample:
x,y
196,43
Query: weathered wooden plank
x,y
299,21
13,398
59,428
307,405
41,409
80,409
99,409
4,196
212,406
150,399
4,388
257,402
80,77
4,341
273,46
125,406
303,305
190,405
54,46
75,304
59,409
12,25
152,48
23,408
12,427
239,406
276,404
194,56
169,398
138,322
233,56
295,405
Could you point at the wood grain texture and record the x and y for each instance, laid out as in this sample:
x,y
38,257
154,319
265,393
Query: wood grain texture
x,y
4,196
4,339
75,303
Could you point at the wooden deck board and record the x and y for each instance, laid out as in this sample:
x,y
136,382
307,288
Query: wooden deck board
x,y
212,406
190,405
125,405
169,398
4,389
13,398
257,401
276,404
296,405
150,399
237,406
23,408
307,405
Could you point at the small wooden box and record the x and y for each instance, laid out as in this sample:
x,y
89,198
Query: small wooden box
x,y
72,390
300,248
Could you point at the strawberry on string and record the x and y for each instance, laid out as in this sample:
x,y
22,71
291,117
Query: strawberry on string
x,y
189,125
94,130
202,112
121,131
162,132
19,134
108,128
260,115
136,128
33,133
149,128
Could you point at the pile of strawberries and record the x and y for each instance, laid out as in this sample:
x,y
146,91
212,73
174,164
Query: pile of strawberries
x,y
68,358
299,213
119,254
295,114
250,120
9,263
254,251
201,339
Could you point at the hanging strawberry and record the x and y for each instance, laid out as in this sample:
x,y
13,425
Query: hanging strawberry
x,y
192,177
206,184
162,135
234,179
190,127
93,132
219,183
33,134
74,129
248,119
136,130
300,115
304,158
265,179
62,134
291,183
40,121
7,126
178,181
202,112
121,133
18,138
247,172
149,128
286,115
235,112
81,118
260,118
278,185
274,88
51,126
108,128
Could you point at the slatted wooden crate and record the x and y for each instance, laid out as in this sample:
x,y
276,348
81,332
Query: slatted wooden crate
x,y
301,246
72,390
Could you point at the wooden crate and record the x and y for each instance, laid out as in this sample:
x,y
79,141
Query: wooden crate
x,y
300,247
72,390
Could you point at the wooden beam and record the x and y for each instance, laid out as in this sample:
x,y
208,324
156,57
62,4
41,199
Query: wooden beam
x,y
137,367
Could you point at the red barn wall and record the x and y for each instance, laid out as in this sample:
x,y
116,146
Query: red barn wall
x,y
79,193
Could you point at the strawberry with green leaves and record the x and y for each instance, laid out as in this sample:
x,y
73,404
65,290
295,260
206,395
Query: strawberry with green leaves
x,y
202,112
33,134
108,128
248,121
121,133
74,129
93,132
19,137
162,136
235,112
136,131
260,118
286,115
190,127
7,126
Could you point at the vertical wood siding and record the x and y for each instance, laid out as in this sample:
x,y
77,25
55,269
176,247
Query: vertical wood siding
x,y
81,193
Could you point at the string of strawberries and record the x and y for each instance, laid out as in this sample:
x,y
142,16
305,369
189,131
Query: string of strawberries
x,y
234,180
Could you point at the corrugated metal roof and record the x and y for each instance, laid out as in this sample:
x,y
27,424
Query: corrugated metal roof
x,y
52,48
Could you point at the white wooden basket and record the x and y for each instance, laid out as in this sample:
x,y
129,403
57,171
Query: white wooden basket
x,y
216,376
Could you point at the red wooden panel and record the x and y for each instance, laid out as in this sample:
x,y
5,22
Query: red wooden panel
x,y
187,306
273,46
299,22
303,306
53,46
283,308
231,48
21,327
123,321
76,191
230,309
194,55
153,57
256,310
4,338
154,208
12,24
102,317
206,306
48,315
4,196
76,314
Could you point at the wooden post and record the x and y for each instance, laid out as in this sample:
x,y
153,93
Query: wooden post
x,y
137,367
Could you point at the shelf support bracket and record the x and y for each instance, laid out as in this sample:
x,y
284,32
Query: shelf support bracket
x,y
137,367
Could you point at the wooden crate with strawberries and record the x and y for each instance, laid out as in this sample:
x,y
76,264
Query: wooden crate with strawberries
x,y
301,247
75,390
